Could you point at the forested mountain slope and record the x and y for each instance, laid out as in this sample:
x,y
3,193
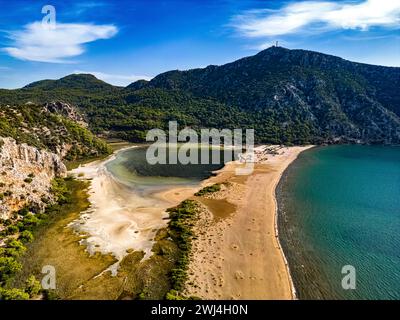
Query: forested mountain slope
x,y
287,96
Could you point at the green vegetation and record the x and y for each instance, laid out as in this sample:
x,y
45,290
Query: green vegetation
x,y
210,189
8,267
37,127
60,190
287,96
32,286
152,278
11,254
57,245
180,231
26,236
43,238
13,294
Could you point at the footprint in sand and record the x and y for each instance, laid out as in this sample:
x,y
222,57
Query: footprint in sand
x,y
239,275
234,246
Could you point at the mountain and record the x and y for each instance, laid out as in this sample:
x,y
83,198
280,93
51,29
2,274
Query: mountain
x,y
287,96
73,81
268,72
339,99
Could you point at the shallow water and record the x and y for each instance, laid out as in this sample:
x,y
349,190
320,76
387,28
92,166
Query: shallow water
x,y
132,168
127,210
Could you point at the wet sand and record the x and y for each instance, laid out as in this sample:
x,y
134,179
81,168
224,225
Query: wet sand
x,y
120,219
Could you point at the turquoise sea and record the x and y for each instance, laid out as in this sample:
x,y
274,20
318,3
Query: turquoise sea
x,y
340,205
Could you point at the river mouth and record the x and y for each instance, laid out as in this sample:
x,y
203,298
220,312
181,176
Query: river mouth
x,y
129,198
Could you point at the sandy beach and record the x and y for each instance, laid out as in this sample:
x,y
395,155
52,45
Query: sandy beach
x,y
120,219
236,253
239,256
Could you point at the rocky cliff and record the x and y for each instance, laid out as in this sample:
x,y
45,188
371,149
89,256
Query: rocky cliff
x,y
66,110
26,173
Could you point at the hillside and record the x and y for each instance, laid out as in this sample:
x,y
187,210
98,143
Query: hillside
x,y
73,81
334,97
287,96
35,141
44,127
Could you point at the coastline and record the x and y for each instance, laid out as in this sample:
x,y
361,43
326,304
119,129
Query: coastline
x,y
227,261
112,224
232,277
276,223
120,219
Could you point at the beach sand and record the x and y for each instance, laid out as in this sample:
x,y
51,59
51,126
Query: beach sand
x,y
239,257
120,219
236,253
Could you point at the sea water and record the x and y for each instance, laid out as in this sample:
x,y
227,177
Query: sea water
x,y
340,206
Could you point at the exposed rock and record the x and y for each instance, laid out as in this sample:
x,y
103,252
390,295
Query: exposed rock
x,y
25,176
66,110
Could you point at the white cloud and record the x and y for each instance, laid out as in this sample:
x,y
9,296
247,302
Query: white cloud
x,y
37,42
115,79
320,16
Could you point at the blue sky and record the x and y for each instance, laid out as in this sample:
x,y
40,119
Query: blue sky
x,y
122,41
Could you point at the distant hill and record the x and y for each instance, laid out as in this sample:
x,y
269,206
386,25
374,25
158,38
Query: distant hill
x,y
287,96
73,81
139,84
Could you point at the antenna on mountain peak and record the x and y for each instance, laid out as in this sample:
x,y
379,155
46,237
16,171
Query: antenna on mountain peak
x,y
276,43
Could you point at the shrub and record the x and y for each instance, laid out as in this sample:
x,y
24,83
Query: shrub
x,y
30,220
210,189
24,211
14,248
26,236
13,294
8,267
181,233
174,295
12,230
32,286
60,190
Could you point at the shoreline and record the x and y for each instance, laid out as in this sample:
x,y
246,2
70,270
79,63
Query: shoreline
x,y
109,225
218,268
120,219
268,171
276,223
